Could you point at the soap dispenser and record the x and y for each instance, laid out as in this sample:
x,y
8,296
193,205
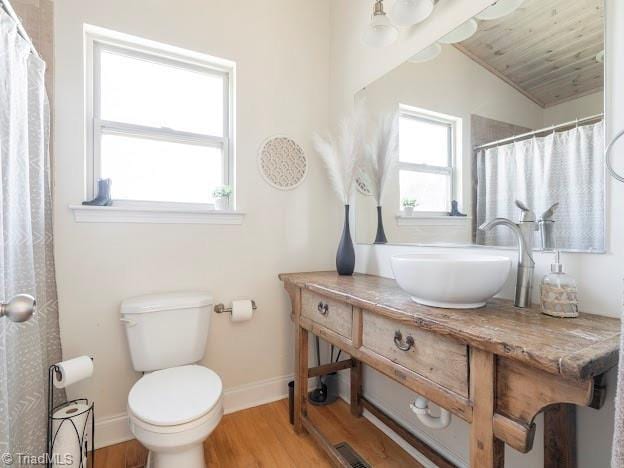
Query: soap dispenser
x,y
558,292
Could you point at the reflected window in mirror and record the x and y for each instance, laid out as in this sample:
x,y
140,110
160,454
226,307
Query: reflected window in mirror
x,y
427,169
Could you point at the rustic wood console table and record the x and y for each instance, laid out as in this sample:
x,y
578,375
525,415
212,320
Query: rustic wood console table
x,y
496,367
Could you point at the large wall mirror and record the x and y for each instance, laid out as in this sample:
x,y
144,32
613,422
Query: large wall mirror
x,y
501,109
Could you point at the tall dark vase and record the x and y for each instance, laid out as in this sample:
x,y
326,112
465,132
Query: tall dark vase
x,y
345,257
380,238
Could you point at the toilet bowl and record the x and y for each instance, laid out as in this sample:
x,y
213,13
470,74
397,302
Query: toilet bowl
x,y
175,406
172,412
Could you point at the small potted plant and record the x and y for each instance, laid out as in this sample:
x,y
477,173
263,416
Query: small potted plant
x,y
222,197
408,206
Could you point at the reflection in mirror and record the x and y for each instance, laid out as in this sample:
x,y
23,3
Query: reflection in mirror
x,y
513,112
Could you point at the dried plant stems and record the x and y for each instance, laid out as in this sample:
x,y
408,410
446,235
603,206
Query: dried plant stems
x,y
382,154
344,156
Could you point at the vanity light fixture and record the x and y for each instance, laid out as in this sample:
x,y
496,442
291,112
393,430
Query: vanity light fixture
x,y
461,33
427,54
410,12
499,9
380,32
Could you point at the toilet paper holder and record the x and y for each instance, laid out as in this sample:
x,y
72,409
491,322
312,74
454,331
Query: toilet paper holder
x,y
57,370
85,436
221,309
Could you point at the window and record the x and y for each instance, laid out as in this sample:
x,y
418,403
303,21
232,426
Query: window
x,y
159,121
427,158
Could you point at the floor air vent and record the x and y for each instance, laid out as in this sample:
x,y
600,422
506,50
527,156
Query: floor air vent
x,y
351,456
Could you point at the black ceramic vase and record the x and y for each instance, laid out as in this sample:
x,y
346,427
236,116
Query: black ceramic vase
x,y
345,257
380,238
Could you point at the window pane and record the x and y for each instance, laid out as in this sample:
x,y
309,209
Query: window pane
x,y
431,191
153,94
423,142
153,170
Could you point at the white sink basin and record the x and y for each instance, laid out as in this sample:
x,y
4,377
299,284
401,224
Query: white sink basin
x,y
452,281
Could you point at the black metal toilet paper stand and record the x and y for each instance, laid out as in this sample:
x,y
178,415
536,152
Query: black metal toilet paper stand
x,y
85,443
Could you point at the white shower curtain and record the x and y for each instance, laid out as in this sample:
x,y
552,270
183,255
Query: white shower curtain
x,y
565,167
26,260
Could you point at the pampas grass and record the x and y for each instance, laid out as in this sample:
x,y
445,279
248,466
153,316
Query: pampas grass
x,y
344,156
382,154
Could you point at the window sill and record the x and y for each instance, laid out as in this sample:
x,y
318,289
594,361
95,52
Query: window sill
x,y
155,215
431,220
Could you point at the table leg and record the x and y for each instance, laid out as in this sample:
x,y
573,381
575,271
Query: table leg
x,y
486,451
560,436
356,389
301,376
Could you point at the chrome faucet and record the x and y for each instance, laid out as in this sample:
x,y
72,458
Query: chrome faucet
x,y
546,225
526,265
527,224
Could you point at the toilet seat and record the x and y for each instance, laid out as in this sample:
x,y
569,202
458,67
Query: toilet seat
x,y
176,399
211,419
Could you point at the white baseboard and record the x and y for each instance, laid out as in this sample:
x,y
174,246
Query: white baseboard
x,y
112,430
115,429
255,393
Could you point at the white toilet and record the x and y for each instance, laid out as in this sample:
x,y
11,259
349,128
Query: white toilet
x,y
175,406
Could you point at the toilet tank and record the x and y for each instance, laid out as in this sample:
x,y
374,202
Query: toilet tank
x,y
166,330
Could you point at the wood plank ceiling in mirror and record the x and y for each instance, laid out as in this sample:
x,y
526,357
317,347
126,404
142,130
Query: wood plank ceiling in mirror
x,y
547,49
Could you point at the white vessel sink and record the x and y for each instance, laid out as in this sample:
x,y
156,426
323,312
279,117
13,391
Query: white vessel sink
x,y
453,281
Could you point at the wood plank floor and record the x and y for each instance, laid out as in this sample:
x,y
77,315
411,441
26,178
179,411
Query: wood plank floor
x,y
263,437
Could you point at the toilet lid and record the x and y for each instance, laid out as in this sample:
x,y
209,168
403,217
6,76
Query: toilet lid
x,y
175,396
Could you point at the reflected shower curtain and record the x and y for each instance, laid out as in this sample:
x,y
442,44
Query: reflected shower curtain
x,y
565,167
26,260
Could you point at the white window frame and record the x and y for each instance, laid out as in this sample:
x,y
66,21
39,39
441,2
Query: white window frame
x,y
453,169
97,39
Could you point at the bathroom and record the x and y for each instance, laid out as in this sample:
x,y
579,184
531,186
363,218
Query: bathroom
x,y
293,69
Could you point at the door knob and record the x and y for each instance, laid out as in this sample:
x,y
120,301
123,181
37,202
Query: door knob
x,y
19,309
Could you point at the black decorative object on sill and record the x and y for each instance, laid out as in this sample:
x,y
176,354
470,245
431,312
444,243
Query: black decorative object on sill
x,y
103,197
454,210
345,257
380,238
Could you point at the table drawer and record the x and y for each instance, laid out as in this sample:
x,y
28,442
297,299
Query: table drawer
x,y
333,315
435,357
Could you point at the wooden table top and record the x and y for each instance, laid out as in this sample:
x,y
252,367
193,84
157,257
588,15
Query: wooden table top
x,y
577,348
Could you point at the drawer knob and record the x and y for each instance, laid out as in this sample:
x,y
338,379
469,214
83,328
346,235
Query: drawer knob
x,y
398,341
322,308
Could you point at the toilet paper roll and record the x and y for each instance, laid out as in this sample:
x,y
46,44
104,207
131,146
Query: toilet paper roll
x,y
242,310
68,450
73,370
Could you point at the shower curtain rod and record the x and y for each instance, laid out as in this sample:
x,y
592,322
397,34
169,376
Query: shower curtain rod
x,y
6,5
553,128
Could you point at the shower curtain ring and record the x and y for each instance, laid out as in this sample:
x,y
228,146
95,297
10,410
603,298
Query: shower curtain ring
x,y
608,152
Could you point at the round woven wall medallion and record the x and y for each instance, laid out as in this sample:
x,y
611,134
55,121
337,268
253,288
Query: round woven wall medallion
x,y
282,162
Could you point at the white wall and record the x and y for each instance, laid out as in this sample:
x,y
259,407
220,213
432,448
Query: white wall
x,y
600,276
452,84
281,48
585,106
